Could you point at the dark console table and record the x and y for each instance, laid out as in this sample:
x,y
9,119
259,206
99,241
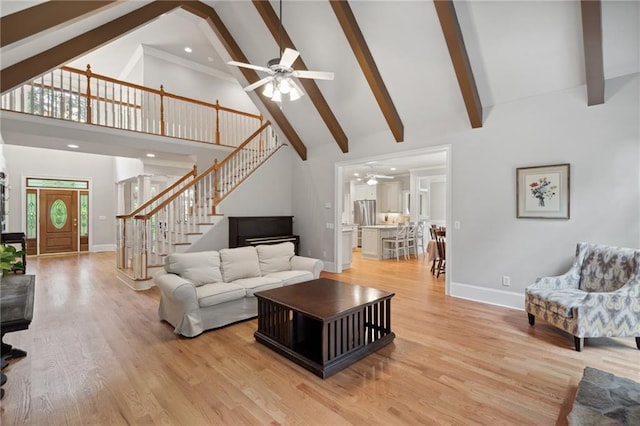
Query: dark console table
x,y
16,309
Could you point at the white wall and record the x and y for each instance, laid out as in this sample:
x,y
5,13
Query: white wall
x,y
98,169
602,143
192,84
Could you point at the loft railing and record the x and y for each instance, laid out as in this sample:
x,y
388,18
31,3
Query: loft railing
x,y
167,220
84,97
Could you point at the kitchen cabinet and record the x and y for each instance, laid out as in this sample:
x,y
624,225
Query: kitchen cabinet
x,y
389,194
372,240
363,192
347,238
354,234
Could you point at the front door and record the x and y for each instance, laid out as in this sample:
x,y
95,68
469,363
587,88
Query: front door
x,y
58,221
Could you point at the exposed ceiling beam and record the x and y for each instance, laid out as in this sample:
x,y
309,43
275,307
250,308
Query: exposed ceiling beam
x,y
211,17
458,53
43,16
368,65
34,66
593,59
273,24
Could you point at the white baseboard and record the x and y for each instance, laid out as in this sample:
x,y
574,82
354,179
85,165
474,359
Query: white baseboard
x,y
491,296
103,247
329,266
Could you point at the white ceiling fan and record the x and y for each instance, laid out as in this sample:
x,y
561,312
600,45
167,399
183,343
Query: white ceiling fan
x,y
372,178
279,81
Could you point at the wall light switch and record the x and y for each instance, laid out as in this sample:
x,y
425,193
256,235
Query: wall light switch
x,y
102,217
456,224
327,205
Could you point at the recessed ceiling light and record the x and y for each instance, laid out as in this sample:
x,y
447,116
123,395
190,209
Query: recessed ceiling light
x,y
359,179
188,49
356,174
151,155
209,58
73,146
392,168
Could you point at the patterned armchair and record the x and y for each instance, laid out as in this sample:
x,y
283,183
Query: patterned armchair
x,y
598,297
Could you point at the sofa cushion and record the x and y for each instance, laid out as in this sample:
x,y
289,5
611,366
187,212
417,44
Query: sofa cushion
x,y
240,262
275,257
199,267
214,294
291,277
251,285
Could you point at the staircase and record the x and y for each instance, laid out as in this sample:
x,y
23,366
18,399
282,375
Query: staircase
x,y
181,214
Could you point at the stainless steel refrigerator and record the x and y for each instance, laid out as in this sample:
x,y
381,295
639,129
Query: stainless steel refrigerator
x,y
364,213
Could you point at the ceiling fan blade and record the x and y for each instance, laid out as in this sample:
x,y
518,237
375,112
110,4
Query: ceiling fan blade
x,y
253,67
289,57
318,75
258,83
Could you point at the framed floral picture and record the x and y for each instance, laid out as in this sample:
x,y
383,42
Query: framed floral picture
x,y
543,192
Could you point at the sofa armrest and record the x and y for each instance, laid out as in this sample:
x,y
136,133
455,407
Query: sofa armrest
x,y
307,264
178,289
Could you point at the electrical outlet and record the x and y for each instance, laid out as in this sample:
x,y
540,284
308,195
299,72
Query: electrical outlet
x,y
506,281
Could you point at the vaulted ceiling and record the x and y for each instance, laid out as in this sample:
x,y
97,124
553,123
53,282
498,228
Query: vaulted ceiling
x,y
398,64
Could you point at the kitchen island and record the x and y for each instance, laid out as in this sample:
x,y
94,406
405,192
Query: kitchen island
x,y
372,236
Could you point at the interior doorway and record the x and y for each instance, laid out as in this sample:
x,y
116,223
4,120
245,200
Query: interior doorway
x,y
412,186
57,216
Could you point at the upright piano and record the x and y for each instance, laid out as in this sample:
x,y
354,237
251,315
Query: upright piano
x,y
255,230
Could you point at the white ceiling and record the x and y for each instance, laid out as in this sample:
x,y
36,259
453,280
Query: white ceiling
x,y
517,49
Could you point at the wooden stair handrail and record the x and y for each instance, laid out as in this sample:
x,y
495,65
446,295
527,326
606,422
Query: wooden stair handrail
x,y
193,172
213,168
243,144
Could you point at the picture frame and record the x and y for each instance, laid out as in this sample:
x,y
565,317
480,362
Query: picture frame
x,y
543,192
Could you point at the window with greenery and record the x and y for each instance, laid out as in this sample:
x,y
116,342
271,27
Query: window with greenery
x,y
56,103
57,183
32,215
84,215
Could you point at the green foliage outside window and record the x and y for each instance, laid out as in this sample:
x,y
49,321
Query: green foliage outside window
x,y
84,215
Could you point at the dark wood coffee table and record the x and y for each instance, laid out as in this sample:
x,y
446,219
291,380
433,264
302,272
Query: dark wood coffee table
x,y
324,325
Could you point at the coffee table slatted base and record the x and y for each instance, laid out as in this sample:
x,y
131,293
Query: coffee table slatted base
x,y
324,346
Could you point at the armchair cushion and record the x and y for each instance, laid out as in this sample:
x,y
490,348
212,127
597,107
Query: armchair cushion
x,y
199,268
560,302
607,268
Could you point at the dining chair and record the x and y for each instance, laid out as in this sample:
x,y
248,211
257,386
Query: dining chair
x,y
441,238
397,243
411,239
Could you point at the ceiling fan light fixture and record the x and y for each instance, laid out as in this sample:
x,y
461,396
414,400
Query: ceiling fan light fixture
x,y
295,94
277,96
268,90
284,86
372,181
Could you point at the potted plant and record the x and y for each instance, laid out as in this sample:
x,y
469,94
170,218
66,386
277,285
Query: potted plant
x,y
10,259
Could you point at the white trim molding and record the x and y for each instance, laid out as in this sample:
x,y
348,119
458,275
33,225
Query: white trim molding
x,y
490,296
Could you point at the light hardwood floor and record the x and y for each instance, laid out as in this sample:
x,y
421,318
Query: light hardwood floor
x,y
99,355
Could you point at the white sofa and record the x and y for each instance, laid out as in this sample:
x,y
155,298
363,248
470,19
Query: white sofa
x,y
210,289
